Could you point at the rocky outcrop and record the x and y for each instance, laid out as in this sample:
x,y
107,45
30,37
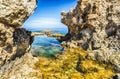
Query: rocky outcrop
x,y
21,68
14,41
94,25
15,61
15,12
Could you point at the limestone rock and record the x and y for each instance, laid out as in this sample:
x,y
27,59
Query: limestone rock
x,y
14,41
15,61
15,12
95,26
21,68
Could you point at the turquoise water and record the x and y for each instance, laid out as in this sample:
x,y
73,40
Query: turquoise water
x,y
54,30
46,46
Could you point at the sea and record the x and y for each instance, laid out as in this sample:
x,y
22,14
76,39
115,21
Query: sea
x,y
47,46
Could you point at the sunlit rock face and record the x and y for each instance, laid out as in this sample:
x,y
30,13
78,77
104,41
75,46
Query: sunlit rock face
x,y
95,25
15,12
14,41
21,68
15,61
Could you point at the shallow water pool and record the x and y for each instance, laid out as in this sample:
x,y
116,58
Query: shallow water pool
x,y
46,46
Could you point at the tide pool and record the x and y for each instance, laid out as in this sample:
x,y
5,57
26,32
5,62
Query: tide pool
x,y
47,46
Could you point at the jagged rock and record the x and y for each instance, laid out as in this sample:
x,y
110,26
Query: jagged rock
x,y
15,12
14,41
95,26
21,68
22,39
117,76
15,61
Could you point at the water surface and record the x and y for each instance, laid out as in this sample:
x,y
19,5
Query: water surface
x,y
47,46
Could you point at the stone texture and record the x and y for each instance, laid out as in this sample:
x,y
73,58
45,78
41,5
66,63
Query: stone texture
x,y
7,49
15,12
15,61
94,25
21,68
14,41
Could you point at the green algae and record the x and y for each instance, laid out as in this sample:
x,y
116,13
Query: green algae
x,y
73,64
48,51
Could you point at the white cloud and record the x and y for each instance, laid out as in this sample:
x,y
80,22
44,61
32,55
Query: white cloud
x,y
43,23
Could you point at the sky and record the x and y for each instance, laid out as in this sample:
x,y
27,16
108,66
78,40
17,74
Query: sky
x,y
48,14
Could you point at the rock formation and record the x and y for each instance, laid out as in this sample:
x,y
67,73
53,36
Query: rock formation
x,y
94,25
15,12
15,41
21,68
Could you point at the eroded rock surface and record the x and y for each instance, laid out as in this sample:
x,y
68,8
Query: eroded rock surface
x,y
21,68
15,41
15,12
94,25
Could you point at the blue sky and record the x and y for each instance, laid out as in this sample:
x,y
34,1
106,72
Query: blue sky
x,y
48,14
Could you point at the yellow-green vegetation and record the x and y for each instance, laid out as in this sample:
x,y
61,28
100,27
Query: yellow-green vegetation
x,y
72,64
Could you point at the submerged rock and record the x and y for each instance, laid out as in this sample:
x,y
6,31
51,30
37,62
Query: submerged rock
x,y
73,65
48,51
94,25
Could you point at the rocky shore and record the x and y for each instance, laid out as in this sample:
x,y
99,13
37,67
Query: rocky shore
x,y
15,61
94,25
91,47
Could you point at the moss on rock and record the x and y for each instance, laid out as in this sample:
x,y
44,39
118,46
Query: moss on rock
x,y
72,64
